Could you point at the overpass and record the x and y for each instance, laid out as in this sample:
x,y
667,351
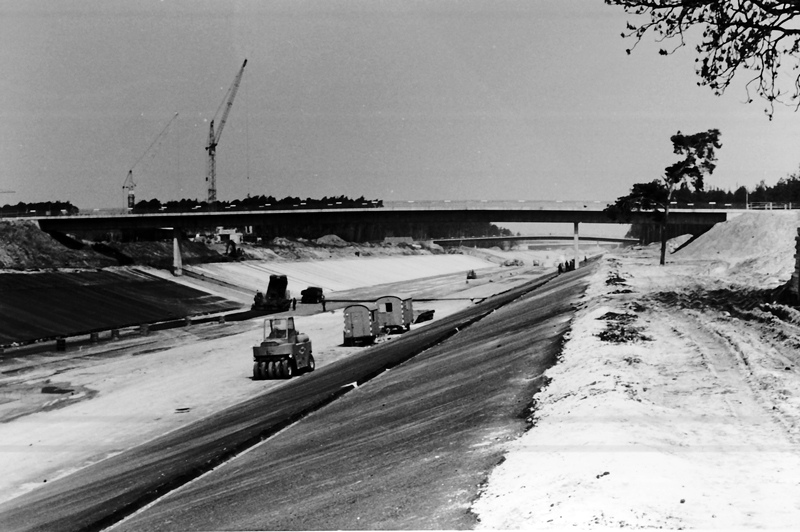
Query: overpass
x,y
574,212
499,240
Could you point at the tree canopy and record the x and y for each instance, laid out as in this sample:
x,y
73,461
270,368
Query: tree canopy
x,y
699,158
754,35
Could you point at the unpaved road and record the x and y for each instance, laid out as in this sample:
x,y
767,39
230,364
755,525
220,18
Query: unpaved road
x,y
690,422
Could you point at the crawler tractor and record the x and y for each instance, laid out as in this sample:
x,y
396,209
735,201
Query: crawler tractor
x,y
283,352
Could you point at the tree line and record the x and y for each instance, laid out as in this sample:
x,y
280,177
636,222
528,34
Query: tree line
x,y
255,203
42,208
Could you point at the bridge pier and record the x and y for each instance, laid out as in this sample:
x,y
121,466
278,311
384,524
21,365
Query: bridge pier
x,y
177,262
575,239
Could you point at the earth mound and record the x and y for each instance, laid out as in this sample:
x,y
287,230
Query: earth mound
x,y
23,246
331,240
756,245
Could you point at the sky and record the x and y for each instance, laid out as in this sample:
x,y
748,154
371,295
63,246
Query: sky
x,y
391,100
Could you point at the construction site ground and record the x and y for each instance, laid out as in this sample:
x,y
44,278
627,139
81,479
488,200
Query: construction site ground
x,y
674,402
128,391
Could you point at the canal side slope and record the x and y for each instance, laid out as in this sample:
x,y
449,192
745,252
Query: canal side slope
x,y
674,403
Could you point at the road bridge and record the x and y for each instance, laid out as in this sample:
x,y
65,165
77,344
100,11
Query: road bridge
x,y
422,212
500,240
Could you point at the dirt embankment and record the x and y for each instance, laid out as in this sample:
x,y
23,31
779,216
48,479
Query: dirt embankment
x,y
674,402
23,246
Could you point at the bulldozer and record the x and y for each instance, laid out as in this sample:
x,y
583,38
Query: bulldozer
x,y
283,352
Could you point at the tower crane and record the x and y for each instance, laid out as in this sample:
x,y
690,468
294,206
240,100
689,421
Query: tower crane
x,y
213,136
129,184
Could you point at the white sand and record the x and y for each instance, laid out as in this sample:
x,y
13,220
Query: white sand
x,y
697,428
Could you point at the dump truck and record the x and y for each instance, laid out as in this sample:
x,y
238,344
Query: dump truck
x,y
312,294
283,352
394,313
277,298
360,324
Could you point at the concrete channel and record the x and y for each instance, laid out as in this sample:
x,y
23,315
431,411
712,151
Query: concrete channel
x,y
116,489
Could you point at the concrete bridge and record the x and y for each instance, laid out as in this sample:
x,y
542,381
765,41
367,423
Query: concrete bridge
x,y
412,211
500,240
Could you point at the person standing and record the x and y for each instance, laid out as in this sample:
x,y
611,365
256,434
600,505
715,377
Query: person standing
x,y
322,300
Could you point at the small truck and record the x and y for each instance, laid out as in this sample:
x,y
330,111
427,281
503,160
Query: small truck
x,y
283,352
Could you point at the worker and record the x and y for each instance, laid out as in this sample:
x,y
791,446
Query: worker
x,y
294,303
322,300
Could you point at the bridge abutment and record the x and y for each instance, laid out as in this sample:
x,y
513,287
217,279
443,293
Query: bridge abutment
x,y
177,262
575,240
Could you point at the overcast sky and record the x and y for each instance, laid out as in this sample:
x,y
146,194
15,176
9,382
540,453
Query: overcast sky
x,y
483,99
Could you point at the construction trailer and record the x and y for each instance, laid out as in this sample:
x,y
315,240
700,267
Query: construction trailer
x,y
395,313
360,324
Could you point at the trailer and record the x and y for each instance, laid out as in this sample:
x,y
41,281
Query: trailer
x,y
360,324
395,313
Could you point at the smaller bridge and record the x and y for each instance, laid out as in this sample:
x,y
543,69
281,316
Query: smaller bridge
x,y
499,240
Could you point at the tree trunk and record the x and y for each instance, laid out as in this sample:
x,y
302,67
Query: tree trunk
x,y
664,229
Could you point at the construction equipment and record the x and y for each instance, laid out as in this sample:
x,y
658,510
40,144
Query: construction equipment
x,y
312,294
213,136
129,185
283,352
277,298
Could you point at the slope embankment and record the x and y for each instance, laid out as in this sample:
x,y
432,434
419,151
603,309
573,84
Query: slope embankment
x,y
674,403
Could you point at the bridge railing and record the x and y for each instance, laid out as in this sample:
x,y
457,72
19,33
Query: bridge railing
x,y
772,205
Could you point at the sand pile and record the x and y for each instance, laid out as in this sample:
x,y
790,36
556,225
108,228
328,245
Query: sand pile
x,y
331,240
753,246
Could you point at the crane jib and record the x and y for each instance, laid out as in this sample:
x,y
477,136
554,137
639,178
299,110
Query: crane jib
x,y
213,137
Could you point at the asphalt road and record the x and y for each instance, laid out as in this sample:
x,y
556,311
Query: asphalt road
x,y
406,450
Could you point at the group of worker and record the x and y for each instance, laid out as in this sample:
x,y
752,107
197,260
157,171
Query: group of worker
x,y
566,266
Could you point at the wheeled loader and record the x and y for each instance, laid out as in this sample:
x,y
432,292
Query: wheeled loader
x,y
283,352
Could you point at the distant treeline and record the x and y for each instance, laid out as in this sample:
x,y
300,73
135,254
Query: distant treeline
x,y
255,203
786,190
43,208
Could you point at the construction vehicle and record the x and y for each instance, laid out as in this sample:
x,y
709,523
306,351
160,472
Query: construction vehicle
x,y
214,136
277,298
312,294
283,352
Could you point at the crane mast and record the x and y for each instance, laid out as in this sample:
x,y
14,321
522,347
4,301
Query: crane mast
x,y
214,136
129,185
